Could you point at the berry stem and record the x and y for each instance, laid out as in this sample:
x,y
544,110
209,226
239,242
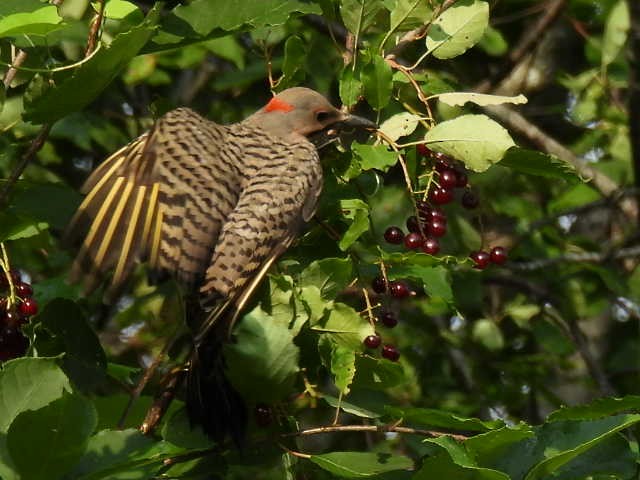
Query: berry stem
x,y
369,308
6,268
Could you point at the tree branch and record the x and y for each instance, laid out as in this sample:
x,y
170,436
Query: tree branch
x,y
634,90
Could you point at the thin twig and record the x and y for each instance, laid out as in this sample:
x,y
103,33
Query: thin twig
x,y
374,428
10,74
95,28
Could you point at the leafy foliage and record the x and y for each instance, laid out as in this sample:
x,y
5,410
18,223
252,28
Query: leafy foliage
x,y
525,370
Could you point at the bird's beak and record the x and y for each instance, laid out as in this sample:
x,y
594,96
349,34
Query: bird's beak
x,y
358,122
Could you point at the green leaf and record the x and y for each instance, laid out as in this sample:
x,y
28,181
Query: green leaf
x,y
122,454
400,125
377,79
61,202
615,32
294,54
476,140
345,327
493,42
374,156
343,367
377,374
29,384
434,279
358,15
47,442
263,362
459,28
358,211
350,407
441,419
458,99
487,333
15,227
409,14
599,408
204,19
361,464
350,86
92,77
27,17
540,164
68,332
330,275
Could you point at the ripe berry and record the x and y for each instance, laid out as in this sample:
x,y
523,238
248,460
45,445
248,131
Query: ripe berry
x,y
470,200
423,150
12,343
437,228
443,161
440,195
461,178
390,353
262,415
24,290
394,235
480,258
413,241
399,289
498,255
448,178
412,224
389,319
28,307
438,214
11,319
431,246
372,341
379,285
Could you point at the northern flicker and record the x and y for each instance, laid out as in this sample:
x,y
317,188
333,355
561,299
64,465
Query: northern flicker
x,y
214,206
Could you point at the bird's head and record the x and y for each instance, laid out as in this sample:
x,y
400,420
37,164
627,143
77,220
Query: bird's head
x,y
302,111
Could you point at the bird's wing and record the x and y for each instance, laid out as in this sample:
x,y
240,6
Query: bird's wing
x,y
155,199
266,220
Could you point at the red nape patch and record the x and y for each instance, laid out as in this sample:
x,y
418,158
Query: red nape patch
x,y
277,105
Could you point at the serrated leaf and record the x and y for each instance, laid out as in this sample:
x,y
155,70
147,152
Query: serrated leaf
x,y
377,374
358,15
263,362
458,99
361,464
345,327
599,408
476,140
294,53
350,407
374,156
615,32
435,279
540,164
459,28
441,419
45,443
92,77
29,384
358,211
350,86
330,275
400,125
343,367
377,79
27,17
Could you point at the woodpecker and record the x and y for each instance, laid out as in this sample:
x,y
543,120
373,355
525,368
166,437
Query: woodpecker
x,y
213,206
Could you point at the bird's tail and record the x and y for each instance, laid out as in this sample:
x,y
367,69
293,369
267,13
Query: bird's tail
x,y
212,402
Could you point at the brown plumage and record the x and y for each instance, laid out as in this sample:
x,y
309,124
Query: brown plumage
x,y
211,205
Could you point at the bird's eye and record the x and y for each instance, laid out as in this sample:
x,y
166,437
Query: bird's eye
x,y
322,116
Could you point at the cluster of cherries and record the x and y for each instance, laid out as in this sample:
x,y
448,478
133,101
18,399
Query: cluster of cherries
x,y
14,314
425,229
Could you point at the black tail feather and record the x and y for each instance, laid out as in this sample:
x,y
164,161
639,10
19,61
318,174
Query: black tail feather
x,y
212,402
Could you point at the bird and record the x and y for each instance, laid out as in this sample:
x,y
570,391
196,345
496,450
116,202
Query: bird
x,y
212,206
